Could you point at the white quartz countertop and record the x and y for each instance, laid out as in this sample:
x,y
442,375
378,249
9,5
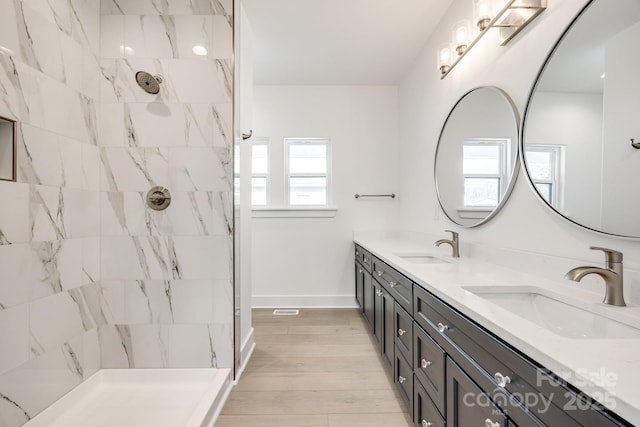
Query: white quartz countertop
x,y
608,370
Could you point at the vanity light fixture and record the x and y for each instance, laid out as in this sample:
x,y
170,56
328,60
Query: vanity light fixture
x,y
509,19
444,59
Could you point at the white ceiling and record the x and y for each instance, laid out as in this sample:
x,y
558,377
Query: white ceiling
x,y
338,42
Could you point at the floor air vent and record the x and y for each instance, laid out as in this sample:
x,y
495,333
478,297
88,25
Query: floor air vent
x,y
286,312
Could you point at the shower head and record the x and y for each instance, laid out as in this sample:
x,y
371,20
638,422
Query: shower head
x,y
148,83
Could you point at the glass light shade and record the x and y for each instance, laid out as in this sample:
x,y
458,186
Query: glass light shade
x,y
483,11
461,36
444,58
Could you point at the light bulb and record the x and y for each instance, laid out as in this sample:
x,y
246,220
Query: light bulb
x,y
444,59
461,36
483,12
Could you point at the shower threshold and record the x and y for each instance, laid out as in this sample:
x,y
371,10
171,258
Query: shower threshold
x,y
141,398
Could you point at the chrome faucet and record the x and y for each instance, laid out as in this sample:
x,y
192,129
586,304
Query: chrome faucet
x,y
612,276
454,242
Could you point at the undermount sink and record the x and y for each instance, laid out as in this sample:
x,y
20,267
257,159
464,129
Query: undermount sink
x,y
421,259
563,318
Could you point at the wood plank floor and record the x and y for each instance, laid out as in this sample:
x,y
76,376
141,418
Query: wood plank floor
x,y
318,369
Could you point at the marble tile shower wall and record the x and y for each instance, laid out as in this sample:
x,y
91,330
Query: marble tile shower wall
x,y
89,277
166,276
49,218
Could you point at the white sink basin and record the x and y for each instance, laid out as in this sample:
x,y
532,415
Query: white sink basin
x,y
561,317
421,259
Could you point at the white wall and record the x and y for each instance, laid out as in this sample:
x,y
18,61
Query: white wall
x,y
308,261
524,224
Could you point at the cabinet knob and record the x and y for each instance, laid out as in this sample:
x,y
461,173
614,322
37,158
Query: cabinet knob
x,y
443,328
357,252
401,379
401,332
425,423
501,380
425,363
489,423
380,273
393,284
366,260
360,271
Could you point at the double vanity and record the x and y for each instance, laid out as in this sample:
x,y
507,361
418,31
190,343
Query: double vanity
x,y
472,343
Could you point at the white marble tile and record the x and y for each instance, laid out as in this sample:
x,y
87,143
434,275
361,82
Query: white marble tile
x,y
222,338
40,42
134,169
35,385
65,256
190,214
90,353
90,167
148,301
89,301
115,347
223,119
91,75
46,208
47,261
191,346
192,301
156,125
9,28
118,82
14,213
90,260
223,302
47,335
150,346
81,213
86,28
14,336
222,46
202,257
222,203
151,36
194,31
112,129
71,160
16,274
199,169
39,160
112,36
198,81
72,56
137,258
173,7
112,300
15,80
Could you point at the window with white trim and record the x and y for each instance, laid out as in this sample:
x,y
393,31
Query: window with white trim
x,y
485,164
307,171
259,172
545,164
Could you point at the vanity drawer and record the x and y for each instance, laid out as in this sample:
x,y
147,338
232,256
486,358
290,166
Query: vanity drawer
x,y
429,361
486,360
403,378
364,257
403,330
396,284
424,411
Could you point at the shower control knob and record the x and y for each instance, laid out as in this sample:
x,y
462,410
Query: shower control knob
x,y
158,198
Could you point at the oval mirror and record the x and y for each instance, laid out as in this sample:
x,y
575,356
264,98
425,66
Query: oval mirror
x,y
581,118
477,156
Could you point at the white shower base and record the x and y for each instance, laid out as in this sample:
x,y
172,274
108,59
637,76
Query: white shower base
x,y
141,398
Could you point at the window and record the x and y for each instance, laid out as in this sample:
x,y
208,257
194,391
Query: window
x,y
307,171
485,163
545,164
259,171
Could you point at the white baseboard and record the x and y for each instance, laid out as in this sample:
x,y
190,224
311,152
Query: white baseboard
x,y
304,301
246,351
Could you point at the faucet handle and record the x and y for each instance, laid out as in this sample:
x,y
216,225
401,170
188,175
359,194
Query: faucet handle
x,y
611,255
454,234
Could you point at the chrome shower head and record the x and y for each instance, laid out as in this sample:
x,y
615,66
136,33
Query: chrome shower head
x,y
148,83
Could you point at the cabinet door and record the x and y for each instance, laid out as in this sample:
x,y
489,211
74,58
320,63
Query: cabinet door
x,y
378,313
403,378
368,295
387,344
360,272
467,404
425,413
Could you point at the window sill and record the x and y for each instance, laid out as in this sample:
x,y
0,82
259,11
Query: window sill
x,y
310,212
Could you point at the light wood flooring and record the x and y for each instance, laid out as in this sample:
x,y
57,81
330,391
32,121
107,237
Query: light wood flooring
x,y
318,369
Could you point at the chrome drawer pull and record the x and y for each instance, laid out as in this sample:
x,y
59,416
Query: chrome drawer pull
x,y
426,424
489,423
425,363
502,380
443,328
380,273
393,284
401,332
401,379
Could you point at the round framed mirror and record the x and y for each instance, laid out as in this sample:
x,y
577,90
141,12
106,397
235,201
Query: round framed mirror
x,y
581,118
476,160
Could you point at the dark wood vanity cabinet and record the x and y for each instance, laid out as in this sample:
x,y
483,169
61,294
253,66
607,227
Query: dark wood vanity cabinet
x,y
450,371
